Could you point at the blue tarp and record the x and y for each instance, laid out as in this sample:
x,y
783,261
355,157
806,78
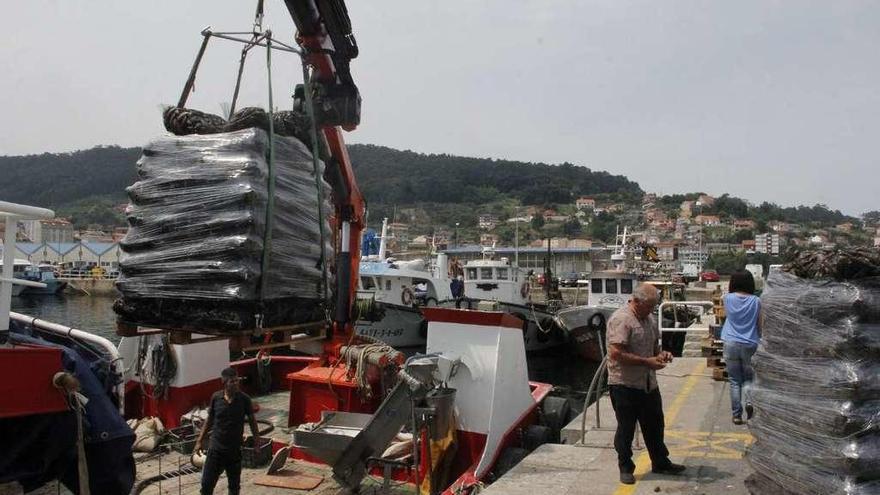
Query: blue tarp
x,y
42,447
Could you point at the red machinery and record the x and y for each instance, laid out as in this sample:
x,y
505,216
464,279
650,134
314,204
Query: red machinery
x,y
325,36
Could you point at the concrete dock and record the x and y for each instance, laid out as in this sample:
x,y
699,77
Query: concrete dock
x,y
699,434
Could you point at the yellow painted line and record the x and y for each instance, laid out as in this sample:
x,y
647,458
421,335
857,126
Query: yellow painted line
x,y
643,462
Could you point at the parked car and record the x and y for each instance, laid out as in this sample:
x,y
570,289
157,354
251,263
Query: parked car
x,y
569,280
710,276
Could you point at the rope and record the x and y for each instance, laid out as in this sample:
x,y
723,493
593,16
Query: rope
x,y
69,385
270,202
162,368
535,319
316,163
360,362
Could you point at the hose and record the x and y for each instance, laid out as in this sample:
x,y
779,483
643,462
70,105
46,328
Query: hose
x,y
185,470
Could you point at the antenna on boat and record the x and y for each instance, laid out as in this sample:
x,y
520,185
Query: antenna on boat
x,y
382,239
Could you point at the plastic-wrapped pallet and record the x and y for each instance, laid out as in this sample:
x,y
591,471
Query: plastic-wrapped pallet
x,y
817,390
201,231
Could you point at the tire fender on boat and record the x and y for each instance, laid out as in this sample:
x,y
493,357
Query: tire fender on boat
x,y
407,296
524,290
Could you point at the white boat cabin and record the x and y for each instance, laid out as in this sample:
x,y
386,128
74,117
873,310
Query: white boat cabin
x,y
498,280
611,288
405,283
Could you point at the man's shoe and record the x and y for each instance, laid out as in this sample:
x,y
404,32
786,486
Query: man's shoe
x,y
738,420
750,410
670,468
627,478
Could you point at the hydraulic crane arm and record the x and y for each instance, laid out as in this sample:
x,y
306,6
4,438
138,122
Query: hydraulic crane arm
x,y
325,35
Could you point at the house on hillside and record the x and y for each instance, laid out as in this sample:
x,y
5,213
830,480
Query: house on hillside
x,y
487,221
666,251
748,245
706,200
51,230
686,210
780,227
744,224
488,239
655,215
585,202
707,220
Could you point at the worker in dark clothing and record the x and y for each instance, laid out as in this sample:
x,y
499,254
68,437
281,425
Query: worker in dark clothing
x,y
226,414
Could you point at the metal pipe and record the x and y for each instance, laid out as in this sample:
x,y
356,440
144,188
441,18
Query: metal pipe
x,y
283,47
7,273
24,211
599,371
98,341
191,80
26,283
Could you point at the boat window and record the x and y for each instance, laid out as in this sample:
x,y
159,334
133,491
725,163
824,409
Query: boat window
x,y
472,273
368,283
626,286
485,274
611,286
596,286
388,284
501,273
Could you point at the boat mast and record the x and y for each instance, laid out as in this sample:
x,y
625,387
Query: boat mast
x,y
516,237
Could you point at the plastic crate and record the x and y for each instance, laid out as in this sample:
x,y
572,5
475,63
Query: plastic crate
x,y
260,456
183,439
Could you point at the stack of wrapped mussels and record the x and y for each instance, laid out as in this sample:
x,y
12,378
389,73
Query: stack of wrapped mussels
x,y
817,378
206,249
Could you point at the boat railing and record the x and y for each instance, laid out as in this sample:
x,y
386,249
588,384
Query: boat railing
x,y
701,318
96,342
11,213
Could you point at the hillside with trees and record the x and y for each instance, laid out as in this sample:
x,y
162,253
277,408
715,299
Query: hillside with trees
x,y
87,184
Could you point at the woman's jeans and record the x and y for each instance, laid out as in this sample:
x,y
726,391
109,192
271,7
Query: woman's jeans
x,y
738,358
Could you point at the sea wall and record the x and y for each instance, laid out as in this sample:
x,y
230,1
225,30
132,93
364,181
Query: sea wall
x,y
92,286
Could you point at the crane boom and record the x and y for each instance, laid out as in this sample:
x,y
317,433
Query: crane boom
x,y
325,35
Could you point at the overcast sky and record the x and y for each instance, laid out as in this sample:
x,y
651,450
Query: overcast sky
x,y
767,100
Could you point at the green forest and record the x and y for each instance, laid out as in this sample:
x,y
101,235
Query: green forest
x,y
85,185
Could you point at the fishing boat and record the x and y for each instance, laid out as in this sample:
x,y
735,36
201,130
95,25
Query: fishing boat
x,y
62,402
501,284
19,268
44,274
391,294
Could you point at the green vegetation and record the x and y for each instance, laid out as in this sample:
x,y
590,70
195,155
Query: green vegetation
x,y
729,207
388,176
727,263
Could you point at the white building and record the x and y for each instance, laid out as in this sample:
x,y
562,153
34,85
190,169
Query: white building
x,y
53,230
487,221
767,243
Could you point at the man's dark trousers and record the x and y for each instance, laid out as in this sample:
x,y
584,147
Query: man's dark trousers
x,y
631,405
215,464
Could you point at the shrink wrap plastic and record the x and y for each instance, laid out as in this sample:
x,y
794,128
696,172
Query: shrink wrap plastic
x,y
817,388
200,227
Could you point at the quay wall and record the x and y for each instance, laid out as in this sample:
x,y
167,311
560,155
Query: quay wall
x,y
92,286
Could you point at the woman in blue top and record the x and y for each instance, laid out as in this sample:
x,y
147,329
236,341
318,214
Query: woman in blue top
x,y
741,334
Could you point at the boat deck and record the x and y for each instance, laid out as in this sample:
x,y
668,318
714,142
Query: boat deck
x,y
699,434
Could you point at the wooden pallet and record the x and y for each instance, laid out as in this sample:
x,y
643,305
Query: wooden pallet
x,y
711,347
289,334
715,362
